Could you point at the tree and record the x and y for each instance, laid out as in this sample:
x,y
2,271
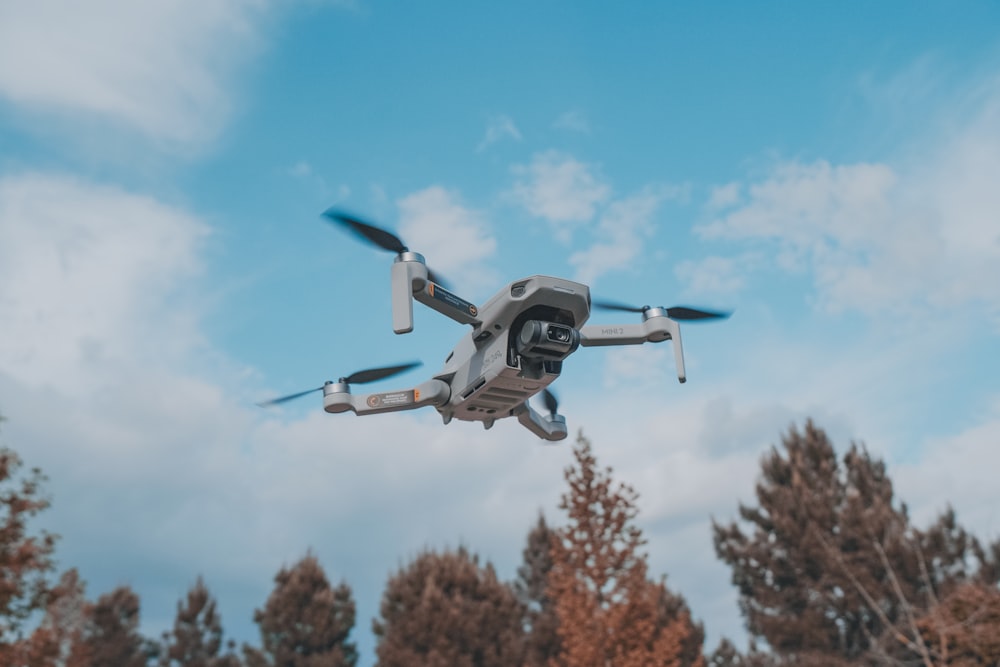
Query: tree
x,y
62,627
540,621
25,559
445,610
831,568
196,640
964,628
305,622
110,635
609,612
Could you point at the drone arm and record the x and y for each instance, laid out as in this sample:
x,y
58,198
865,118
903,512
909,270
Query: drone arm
x,y
451,305
433,392
410,280
652,330
546,428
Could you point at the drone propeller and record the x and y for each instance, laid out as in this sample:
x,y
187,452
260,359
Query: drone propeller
x,y
377,236
551,402
675,313
359,377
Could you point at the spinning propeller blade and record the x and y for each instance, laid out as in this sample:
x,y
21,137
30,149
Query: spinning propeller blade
x,y
614,305
551,402
680,313
376,236
290,397
685,313
359,377
373,374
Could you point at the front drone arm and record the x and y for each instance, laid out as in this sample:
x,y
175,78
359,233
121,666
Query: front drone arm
x,y
547,428
409,281
337,398
654,329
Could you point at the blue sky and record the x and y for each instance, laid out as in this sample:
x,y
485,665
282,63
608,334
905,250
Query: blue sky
x,y
827,170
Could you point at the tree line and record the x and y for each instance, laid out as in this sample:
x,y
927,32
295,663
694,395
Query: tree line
x,y
829,569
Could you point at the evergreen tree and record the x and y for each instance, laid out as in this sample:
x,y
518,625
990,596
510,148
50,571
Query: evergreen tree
x,y
25,558
63,625
609,612
540,621
305,622
445,610
964,628
196,640
110,635
831,569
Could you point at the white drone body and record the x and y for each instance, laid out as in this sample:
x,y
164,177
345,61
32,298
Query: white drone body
x,y
514,350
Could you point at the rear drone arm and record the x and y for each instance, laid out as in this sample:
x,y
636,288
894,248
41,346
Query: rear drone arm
x,y
655,328
337,398
409,281
548,428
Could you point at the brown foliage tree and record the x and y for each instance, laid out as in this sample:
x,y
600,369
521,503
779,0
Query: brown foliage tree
x,y
832,569
110,635
609,612
25,558
531,586
196,640
305,622
964,628
444,610
62,626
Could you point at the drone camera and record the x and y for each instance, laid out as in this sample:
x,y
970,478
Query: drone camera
x,y
547,340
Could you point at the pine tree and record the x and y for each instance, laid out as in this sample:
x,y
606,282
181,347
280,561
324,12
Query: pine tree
x,y
63,625
964,627
609,612
196,640
445,610
25,558
110,636
305,622
831,569
531,586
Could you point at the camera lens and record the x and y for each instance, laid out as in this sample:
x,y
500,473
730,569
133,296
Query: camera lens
x,y
559,334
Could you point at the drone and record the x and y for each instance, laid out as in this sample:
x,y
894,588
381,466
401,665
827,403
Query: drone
x,y
515,349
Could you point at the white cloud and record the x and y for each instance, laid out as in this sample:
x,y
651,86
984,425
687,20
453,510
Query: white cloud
x,y
83,269
559,189
716,274
621,233
958,470
497,128
301,169
159,68
456,240
724,196
573,120
877,237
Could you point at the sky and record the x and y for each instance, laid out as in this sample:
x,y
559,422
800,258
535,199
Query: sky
x,y
827,171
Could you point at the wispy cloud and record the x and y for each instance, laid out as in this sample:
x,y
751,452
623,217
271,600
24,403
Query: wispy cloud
x,y
560,189
574,121
716,274
159,68
876,236
621,232
80,265
497,128
455,239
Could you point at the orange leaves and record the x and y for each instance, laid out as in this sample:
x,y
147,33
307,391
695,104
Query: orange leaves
x,y
610,613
